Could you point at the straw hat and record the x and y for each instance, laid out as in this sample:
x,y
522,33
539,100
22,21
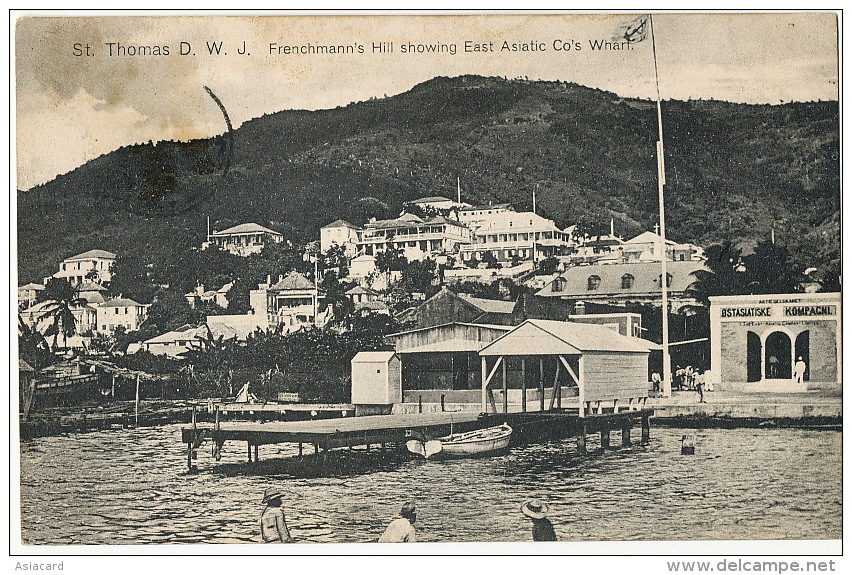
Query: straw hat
x,y
272,493
535,509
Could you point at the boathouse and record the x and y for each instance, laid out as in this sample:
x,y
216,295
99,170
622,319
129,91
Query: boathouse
x,y
443,360
756,341
592,365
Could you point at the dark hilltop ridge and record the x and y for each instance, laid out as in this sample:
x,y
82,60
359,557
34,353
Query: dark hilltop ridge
x,y
734,171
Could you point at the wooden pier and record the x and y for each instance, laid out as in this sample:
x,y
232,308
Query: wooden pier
x,y
348,432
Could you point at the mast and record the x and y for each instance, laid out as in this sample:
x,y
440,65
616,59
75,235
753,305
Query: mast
x,y
661,182
458,187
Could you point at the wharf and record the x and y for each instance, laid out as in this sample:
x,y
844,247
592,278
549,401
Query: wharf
x,y
327,434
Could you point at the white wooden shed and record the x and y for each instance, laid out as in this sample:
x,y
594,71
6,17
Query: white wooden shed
x,y
376,378
609,369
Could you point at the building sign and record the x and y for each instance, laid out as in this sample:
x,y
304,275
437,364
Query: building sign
x,y
808,310
746,311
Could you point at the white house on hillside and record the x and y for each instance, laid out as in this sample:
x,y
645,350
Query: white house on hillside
x,y
92,265
120,312
341,233
516,236
244,239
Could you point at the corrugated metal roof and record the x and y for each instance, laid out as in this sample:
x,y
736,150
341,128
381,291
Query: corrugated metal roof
x,y
485,325
547,337
447,346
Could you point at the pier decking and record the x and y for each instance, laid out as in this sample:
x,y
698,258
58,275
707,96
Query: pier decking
x,y
327,434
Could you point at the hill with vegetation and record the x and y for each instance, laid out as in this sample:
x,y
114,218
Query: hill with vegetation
x,y
734,171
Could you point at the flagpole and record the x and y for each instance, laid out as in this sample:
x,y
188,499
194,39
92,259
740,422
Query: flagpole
x,y
661,182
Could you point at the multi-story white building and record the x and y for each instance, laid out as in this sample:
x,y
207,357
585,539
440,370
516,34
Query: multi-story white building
x,y
291,301
417,238
120,312
244,239
517,236
94,265
340,233
646,247
472,216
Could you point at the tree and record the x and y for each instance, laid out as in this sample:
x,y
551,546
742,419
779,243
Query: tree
x,y
769,270
335,257
547,266
726,274
130,278
490,260
60,297
32,346
238,296
391,260
169,311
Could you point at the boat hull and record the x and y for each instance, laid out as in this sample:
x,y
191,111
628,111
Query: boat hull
x,y
480,443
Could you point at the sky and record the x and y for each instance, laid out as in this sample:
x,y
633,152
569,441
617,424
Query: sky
x,y
73,104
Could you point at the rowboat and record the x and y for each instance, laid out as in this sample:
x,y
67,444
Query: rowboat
x,y
468,444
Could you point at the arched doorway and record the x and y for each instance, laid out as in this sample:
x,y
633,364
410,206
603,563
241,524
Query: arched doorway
x,y
754,357
803,350
778,356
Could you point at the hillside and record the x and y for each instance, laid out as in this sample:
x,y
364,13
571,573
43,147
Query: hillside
x,y
733,170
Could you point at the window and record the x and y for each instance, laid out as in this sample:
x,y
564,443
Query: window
x,y
627,281
559,284
593,283
668,280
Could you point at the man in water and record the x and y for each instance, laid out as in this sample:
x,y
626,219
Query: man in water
x,y
401,530
542,528
273,527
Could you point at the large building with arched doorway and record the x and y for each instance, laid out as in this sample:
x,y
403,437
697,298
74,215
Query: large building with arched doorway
x,y
757,340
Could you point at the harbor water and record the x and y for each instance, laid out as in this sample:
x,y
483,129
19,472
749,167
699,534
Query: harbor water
x,y
131,487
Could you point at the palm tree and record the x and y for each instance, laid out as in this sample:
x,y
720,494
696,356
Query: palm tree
x,y
32,346
60,300
725,274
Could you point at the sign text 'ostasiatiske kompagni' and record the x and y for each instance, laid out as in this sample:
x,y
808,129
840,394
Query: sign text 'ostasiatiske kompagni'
x,y
788,311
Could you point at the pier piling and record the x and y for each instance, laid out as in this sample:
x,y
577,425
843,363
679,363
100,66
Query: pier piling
x,y
646,428
581,439
379,430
